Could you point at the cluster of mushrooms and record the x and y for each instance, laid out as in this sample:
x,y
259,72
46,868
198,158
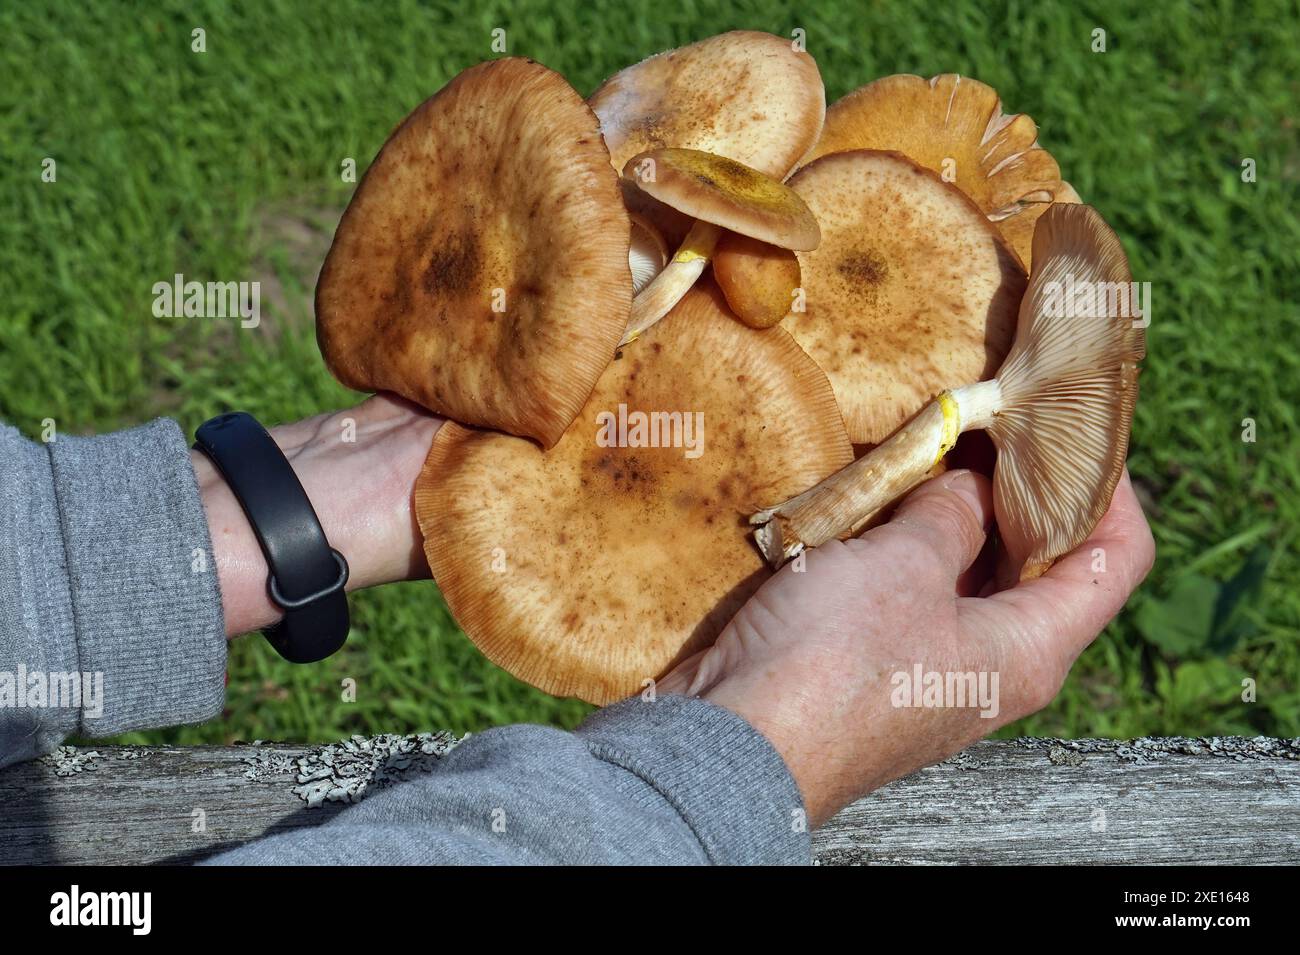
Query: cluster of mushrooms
x,y
521,261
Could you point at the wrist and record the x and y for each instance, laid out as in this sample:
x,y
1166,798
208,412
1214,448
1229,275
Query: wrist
x,y
764,703
242,570
358,468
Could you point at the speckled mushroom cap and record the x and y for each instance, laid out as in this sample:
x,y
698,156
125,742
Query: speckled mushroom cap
x,y
745,95
481,268
589,569
724,192
911,291
955,126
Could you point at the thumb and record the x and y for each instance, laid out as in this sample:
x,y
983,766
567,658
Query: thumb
x,y
949,515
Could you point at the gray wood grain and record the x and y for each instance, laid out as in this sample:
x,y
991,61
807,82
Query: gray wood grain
x,y
1154,801
1227,800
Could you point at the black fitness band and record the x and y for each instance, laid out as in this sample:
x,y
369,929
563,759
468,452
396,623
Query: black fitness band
x,y
307,575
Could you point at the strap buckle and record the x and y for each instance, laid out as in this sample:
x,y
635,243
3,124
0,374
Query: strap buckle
x,y
286,604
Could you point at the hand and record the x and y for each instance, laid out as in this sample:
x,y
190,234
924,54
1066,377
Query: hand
x,y
358,468
811,661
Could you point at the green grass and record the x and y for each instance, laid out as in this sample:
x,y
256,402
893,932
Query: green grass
x,y
226,165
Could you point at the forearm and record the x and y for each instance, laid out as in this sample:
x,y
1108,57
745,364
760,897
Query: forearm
x,y
678,781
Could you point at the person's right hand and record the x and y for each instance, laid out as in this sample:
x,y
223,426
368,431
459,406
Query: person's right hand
x,y
810,661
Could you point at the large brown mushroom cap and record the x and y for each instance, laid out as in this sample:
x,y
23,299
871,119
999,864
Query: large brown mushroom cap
x,y
1069,387
481,268
911,291
587,570
725,192
745,95
955,124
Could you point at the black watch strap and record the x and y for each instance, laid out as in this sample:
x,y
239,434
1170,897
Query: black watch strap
x,y
307,575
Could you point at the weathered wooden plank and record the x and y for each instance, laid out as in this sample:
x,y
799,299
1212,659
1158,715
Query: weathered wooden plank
x,y
1153,801
1016,802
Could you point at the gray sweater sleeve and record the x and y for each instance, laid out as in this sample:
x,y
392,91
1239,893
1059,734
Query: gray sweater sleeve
x,y
110,614
106,570
678,781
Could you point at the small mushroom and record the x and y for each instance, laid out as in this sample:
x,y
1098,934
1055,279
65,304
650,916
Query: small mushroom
x,y
453,278
750,97
759,279
955,126
719,193
594,567
726,193
911,290
1059,412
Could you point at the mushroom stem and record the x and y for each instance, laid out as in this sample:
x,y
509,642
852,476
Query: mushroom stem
x,y
850,497
667,288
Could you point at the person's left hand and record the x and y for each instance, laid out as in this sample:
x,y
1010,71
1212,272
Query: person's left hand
x,y
358,467
815,660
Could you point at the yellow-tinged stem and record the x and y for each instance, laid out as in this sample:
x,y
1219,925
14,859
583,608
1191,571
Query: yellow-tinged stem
x,y
844,502
657,299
